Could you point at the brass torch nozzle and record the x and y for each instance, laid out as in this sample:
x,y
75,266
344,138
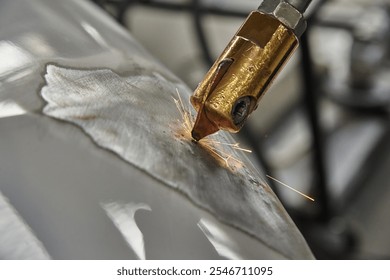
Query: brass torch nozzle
x,y
234,85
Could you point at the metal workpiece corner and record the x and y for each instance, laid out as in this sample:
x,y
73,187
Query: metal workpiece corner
x,y
290,13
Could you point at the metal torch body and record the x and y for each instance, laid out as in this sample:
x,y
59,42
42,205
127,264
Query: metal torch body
x,y
234,85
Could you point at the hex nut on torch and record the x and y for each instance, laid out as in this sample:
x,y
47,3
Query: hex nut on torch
x,y
286,14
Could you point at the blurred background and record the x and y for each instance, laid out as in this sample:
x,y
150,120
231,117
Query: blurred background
x,y
323,128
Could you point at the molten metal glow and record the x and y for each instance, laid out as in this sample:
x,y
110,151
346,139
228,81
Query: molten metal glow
x,y
214,147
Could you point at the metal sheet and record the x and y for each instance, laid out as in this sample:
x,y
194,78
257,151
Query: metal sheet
x,y
58,179
135,116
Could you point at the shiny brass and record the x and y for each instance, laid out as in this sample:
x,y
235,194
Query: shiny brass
x,y
242,73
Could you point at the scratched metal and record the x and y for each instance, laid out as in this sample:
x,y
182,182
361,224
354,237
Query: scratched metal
x,y
135,117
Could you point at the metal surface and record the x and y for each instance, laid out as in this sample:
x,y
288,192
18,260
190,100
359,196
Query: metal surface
x,y
246,68
122,184
17,241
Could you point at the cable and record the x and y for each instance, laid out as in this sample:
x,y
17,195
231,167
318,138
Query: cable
x,y
300,5
202,40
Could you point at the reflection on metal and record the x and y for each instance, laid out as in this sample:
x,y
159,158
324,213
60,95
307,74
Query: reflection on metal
x,y
17,241
36,44
13,57
9,108
94,33
223,244
134,116
122,215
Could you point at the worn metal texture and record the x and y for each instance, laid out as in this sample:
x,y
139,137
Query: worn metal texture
x,y
135,116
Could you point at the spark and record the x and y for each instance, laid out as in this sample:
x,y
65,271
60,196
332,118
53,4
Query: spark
x,y
291,188
214,147
235,146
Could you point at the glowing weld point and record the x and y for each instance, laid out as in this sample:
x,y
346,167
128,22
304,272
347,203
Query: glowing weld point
x,y
287,186
214,147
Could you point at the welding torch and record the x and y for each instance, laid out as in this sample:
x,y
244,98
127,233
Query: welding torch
x,y
234,85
